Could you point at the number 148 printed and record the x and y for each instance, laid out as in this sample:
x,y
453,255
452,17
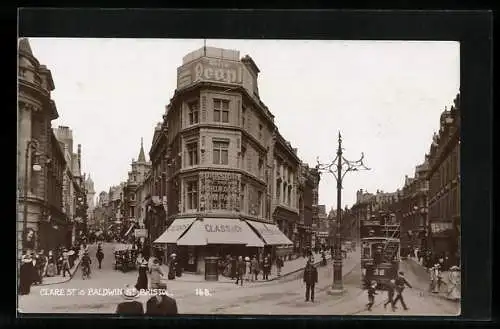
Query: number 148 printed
x,y
202,292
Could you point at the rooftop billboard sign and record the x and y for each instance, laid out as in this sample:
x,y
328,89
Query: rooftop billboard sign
x,y
210,69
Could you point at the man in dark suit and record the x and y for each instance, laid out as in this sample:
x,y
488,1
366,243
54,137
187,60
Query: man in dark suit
x,y
130,306
161,304
240,270
400,283
310,278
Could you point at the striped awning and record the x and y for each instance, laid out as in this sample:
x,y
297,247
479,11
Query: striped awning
x,y
220,231
270,233
175,230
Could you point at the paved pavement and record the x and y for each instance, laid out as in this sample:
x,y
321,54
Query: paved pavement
x,y
289,267
284,296
61,279
420,278
94,299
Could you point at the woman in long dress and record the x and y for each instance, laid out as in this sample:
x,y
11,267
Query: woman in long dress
x,y
25,275
51,264
248,269
454,283
156,274
142,279
435,277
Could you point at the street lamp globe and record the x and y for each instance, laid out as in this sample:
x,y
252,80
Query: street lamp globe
x,y
37,167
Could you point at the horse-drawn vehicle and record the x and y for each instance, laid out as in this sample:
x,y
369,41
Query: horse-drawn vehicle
x,y
125,258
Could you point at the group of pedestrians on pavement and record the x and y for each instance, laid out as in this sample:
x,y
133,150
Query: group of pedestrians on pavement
x,y
37,265
246,269
452,281
150,278
443,270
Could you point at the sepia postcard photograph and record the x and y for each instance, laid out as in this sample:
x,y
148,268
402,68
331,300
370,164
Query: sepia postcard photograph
x,y
164,177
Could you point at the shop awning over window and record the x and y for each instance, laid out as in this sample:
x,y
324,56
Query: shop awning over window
x,y
270,233
174,231
220,231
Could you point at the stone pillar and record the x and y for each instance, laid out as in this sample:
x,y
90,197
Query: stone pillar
x,y
24,136
24,131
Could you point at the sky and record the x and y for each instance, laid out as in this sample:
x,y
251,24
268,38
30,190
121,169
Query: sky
x,y
385,97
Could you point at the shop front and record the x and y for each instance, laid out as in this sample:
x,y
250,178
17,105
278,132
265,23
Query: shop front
x,y
443,237
322,238
216,237
273,237
193,239
286,221
168,240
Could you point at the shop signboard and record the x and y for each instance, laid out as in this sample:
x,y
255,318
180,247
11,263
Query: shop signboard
x,y
210,69
440,227
140,232
283,251
215,70
212,228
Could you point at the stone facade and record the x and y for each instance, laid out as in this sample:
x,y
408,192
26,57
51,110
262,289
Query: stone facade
x,y
40,206
73,186
307,203
414,209
373,206
322,227
444,185
90,193
133,190
218,152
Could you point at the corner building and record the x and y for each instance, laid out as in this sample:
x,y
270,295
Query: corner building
x,y
41,222
230,176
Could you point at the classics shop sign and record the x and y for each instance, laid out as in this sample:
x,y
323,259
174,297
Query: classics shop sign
x,y
218,70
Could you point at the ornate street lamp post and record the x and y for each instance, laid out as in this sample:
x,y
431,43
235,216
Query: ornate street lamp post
x,y
343,166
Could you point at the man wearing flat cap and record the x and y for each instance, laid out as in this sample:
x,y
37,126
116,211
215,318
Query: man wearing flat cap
x,y
161,304
400,286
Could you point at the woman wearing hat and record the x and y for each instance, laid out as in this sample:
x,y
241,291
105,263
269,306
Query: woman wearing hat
x,y
248,269
65,263
172,267
25,275
51,264
130,305
156,274
435,278
142,279
266,267
454,283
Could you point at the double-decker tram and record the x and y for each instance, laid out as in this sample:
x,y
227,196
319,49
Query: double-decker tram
x,y
379,251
